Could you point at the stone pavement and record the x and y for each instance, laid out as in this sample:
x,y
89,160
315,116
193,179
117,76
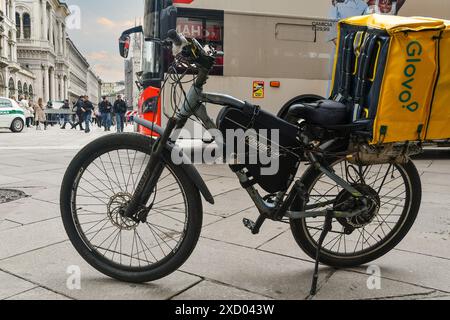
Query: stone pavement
x,y
228,263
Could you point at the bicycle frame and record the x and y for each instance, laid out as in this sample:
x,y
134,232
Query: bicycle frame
x,y
194,105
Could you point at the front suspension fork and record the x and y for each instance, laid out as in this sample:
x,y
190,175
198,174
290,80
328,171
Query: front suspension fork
x,y
151,175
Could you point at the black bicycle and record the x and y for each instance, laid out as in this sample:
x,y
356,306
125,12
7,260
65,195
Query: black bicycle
x,y
135,214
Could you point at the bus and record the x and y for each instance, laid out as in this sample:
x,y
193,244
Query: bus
x,y
275,52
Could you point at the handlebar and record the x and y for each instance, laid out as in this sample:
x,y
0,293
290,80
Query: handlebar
x,y
193,51
175,37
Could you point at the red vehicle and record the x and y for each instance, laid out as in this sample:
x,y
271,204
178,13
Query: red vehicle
x,y
157,13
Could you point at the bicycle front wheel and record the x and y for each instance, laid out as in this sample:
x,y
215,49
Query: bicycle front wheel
x,y
97,186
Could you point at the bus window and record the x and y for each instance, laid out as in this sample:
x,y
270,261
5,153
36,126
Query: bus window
x,y
207,26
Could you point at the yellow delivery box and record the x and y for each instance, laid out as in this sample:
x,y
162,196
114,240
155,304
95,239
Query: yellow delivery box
x,y
395,73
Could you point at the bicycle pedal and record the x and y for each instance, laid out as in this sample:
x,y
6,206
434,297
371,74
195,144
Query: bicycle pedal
x,y
249,224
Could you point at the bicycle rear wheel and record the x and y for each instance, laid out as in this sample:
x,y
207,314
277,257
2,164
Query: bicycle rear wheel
x,y
98,185
396,192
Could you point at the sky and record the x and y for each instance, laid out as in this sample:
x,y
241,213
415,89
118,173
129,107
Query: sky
x,y
97,34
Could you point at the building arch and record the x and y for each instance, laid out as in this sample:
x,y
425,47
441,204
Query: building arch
x,y
25,90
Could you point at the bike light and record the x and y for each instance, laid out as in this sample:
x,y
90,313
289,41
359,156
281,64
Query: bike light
x,y
275,84
150,105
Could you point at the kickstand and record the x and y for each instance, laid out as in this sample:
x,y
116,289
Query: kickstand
x,y
327,227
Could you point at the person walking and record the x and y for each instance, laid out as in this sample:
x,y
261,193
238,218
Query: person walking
x,y
120,108
98,117
66,116
23,104
105,108
88,109
39,110
32,112
78,108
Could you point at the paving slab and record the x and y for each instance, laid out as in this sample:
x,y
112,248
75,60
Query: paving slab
x,y
438,166
31,237
219,170
430,234
423,270
441,178
28,210
232,230
5,180
209,219
285,245
221,185
230,203
208,290
11,285
351,286
46,194
414,268
263,273
446,298
48,267
5,225
38,294
49,178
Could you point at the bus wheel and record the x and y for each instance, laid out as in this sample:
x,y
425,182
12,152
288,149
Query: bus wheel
x,y
17,125
306,98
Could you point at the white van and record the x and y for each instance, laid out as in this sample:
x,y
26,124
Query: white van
x,y
11,115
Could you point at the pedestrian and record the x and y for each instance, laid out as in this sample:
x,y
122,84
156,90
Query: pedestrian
x,y
65,115
39,110
88,109
30,119
78,108
105,108
98,117
120,108
24,105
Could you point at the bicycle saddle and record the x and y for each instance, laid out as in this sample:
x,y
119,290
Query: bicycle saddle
x,y
322,113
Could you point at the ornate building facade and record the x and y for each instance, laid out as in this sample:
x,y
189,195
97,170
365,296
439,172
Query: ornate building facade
x,y
37,59
41,47
15,79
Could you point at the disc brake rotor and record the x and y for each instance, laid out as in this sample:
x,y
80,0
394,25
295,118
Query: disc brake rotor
x,y
116,209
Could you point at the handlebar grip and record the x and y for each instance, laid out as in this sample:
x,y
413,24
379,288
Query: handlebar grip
x,y
175,37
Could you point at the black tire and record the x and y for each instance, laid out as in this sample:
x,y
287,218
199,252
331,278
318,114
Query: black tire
x,y
17,125
308,243
136,274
